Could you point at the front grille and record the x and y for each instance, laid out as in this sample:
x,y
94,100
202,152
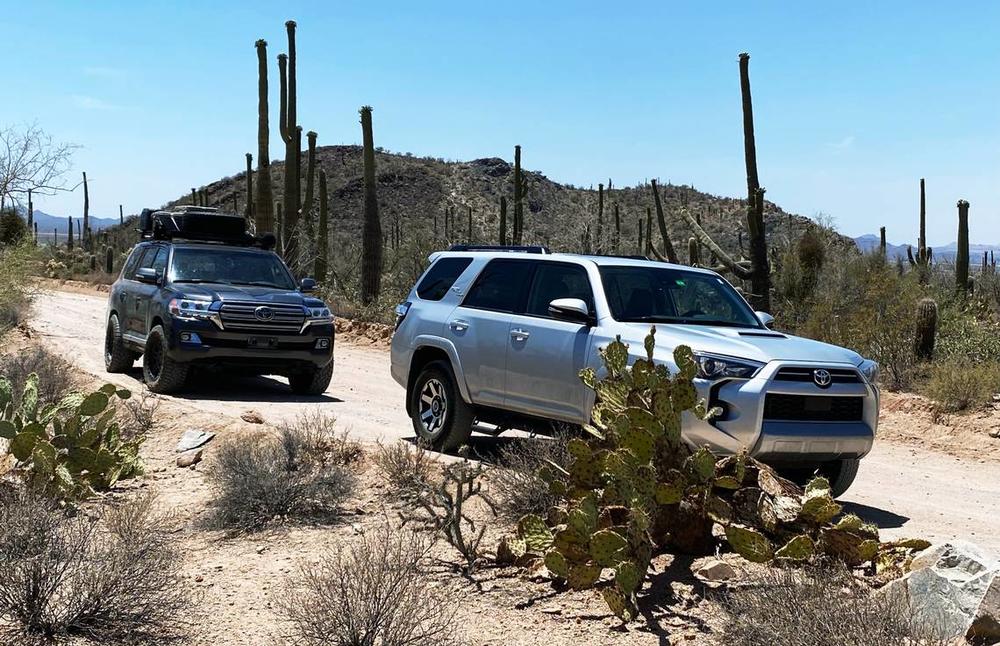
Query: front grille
x,y
837,375
287,319
812,408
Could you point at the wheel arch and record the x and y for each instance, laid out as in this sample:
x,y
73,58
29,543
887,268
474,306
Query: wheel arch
x,y
430,350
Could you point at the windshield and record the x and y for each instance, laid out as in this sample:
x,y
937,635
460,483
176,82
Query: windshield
x,y
230,267
668,295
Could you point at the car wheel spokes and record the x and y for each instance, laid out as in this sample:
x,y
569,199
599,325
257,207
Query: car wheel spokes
x,y
433,406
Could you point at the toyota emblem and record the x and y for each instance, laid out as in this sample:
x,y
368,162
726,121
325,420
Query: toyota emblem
x,y
822,377
265,313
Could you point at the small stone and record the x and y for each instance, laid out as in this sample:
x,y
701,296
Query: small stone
x,y
252,417
995,433
716,571
189,459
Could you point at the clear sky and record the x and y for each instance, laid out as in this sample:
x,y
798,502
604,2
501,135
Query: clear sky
x,y
853,101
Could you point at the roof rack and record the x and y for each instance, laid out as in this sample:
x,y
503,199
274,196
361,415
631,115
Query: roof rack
x,y
200,224
510,248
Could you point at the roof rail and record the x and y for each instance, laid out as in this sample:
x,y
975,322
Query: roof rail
x,y
624,256
511,248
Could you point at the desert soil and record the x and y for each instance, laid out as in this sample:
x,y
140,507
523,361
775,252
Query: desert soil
x,y
927,477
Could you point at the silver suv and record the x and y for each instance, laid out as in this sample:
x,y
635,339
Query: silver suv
x,y
499,336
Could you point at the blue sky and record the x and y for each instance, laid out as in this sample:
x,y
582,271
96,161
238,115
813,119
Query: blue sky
x,y
853,102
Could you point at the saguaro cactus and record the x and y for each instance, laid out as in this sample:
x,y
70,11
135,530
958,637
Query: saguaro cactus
x,y
85,237
470,226
306,212
618,230
926,328
668,249
371,234
881,242
121,215
322,233
648,249
31,211
503,220
69,240
925,255
520,186
109,260
962,254
599,241
693,255
248,209
263,216
290,135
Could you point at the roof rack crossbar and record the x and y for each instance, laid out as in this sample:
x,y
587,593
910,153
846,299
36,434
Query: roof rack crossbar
x,y
541,249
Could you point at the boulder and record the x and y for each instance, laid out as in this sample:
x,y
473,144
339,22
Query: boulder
x,y
189,458
954,586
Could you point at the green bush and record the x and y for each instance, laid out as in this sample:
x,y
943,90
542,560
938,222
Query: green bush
x,y
15,263
959,384
965,333
13,228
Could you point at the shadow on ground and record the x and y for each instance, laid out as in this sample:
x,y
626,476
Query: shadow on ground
x,y
883,518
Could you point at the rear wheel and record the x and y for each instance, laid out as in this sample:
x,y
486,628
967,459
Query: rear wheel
x,y
441,418
117,357
313,382
162,373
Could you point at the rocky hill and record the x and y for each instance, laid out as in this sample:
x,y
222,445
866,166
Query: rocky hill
x,y
415,193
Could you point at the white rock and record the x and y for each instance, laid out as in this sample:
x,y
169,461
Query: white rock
x,y
955,586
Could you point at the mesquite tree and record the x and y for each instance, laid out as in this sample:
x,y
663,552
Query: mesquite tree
x,y
962,254
262,198
371,233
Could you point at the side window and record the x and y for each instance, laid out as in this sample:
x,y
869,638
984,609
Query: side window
x,y
441,277
160,261
128,271
501,286
557,280
148,258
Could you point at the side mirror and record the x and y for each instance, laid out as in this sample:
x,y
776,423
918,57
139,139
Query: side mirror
x,y
147,275
307,285
570,309
765,318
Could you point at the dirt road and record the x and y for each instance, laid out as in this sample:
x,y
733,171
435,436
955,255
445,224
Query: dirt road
x,y
929,494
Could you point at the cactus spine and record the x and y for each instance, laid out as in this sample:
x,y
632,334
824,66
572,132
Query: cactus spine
x,y
503,220
371,235
962,254
926,328
263,216
520,184
322,233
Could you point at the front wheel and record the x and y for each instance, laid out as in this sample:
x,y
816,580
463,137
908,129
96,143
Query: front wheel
x,y
162,373
314,382
841,475
441,418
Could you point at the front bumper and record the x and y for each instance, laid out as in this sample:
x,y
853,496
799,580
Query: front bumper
x,y
290,352
803,424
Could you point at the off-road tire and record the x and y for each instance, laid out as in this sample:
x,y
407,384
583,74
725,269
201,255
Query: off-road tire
x,y
456,416
117,357
162,374
314,382
841,475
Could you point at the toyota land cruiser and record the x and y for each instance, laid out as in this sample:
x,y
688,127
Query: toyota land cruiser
x,y
198,290
499,335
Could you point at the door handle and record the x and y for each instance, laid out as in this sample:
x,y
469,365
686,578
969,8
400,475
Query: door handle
x,y
519,335
459,325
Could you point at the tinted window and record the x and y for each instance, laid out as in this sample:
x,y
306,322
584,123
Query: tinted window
x,y
502,286
133,259
230,267
556,280
441,277
160,261
148,257
659,294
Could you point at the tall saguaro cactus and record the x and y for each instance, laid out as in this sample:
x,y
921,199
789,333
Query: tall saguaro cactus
x,y
668,249
503,220
290,134
262,214
599,242
31,211
520,185
962,254
248,212
925,255
321,264
618,230
85,237
69,240
306,211
371,233
882,246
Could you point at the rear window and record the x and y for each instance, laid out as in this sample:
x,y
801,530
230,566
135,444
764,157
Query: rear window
x,y
441,277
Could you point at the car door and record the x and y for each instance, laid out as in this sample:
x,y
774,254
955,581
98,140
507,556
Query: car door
x,y
545,354
479,327
156,259
130,294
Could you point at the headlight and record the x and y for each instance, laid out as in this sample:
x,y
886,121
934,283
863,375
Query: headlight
x,y
319,315
714,367
189,308
869,369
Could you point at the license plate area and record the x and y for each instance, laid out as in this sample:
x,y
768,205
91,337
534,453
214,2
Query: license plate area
x,y
262,342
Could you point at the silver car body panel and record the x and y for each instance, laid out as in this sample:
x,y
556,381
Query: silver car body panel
x,y
530,365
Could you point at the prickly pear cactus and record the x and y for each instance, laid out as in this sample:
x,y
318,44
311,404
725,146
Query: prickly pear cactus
x,y
634,487
71,449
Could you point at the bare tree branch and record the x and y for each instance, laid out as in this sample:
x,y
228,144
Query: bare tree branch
x,y
31,160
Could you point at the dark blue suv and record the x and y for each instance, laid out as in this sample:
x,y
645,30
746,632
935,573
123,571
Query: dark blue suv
x,y
199,291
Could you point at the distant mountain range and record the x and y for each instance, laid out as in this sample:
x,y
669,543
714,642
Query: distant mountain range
x,y
870,242
47,222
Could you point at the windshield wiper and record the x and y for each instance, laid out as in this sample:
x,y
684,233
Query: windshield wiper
x,y
201,280
718,322
662,318
259,283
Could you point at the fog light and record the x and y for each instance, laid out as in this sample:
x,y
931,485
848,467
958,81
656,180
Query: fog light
x,y
190,337
322,344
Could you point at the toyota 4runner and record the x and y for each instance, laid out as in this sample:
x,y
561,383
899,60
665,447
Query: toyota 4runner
x,y
499,336
198,290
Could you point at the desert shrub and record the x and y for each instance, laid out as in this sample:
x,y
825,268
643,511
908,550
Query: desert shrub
x,y
13,228
966,332
137,417
371,591
112,576
55,375
15,263
818,607
315,434
866,305
959,384
265,477
408,468
515,484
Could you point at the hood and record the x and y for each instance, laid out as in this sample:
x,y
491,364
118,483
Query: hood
x,y
746,343
221,292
